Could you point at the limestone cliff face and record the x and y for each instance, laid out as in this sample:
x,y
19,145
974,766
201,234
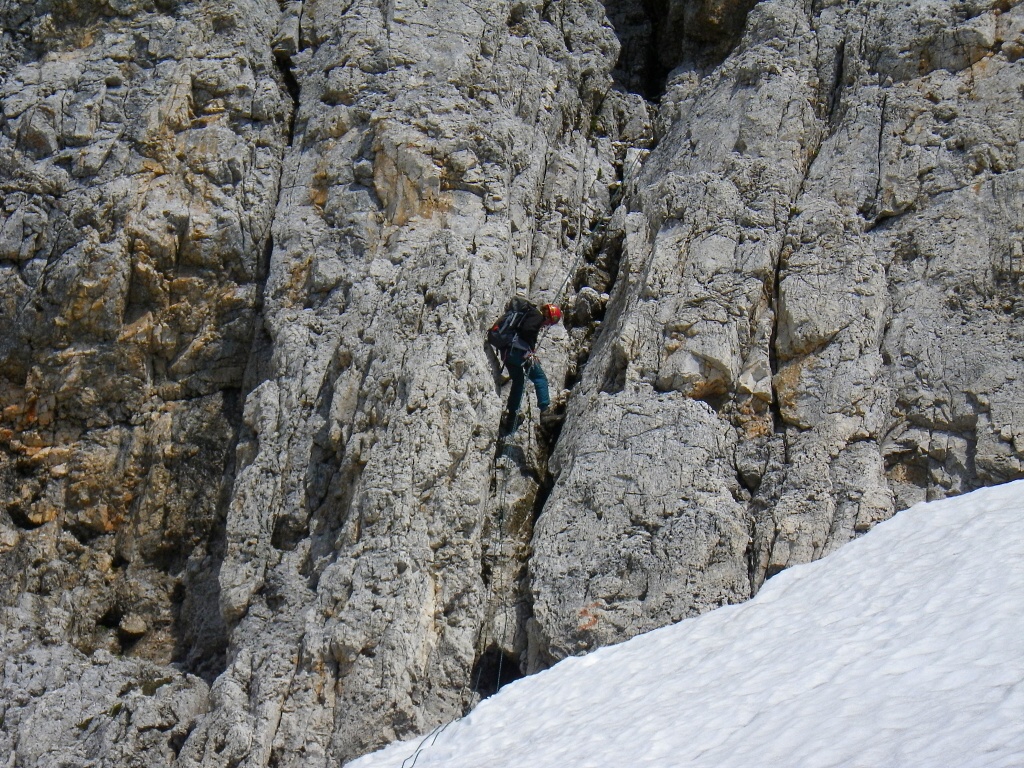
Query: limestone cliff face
x,y
825,261
142,147
251,508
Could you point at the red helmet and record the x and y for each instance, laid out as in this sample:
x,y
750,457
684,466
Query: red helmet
x,y
552,314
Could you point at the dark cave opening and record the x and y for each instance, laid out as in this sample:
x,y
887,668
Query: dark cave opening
x,y
639,68
658,36
494,669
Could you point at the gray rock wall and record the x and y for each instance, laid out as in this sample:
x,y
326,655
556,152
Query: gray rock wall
x,y
142,147
824,250
254,512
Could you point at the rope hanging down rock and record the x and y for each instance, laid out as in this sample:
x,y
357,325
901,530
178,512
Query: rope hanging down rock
x,y
505,460
496,575
602,228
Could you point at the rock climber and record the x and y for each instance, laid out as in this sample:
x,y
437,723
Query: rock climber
x,y
514,337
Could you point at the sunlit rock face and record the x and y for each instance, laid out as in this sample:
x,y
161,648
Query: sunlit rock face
x,y
142,147
824,250
254,511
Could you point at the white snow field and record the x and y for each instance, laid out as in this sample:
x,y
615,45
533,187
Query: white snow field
x,y
905,648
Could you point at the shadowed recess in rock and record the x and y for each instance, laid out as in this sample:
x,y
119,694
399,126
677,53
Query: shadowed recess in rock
x,y
494,669
659,35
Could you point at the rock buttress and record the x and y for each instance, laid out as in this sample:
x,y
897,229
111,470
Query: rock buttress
x,y
824,255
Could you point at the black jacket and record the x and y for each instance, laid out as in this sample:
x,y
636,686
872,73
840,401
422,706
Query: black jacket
x,y
530,327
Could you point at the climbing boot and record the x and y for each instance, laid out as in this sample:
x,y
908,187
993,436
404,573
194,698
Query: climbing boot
x,y
510,422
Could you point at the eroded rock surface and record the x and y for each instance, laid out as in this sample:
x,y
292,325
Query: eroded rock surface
x,y
824,250
141,155
443,159
254,511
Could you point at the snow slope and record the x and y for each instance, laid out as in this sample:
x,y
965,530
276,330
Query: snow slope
x,y
904,648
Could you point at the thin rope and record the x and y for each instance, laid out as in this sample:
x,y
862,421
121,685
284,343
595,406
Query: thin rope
x,y
499,576
602,227
416,755
496,575
496,571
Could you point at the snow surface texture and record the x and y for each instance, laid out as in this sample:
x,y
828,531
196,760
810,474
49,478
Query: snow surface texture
x,y
904,648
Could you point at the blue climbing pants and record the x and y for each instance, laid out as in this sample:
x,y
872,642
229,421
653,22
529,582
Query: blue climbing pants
x,y
518,370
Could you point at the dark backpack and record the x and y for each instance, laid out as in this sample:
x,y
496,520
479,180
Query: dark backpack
x,y
503,333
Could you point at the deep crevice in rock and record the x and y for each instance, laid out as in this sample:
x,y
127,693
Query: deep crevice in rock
x,y
837,84
197,627
284,66
615,375
200,636
773,346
